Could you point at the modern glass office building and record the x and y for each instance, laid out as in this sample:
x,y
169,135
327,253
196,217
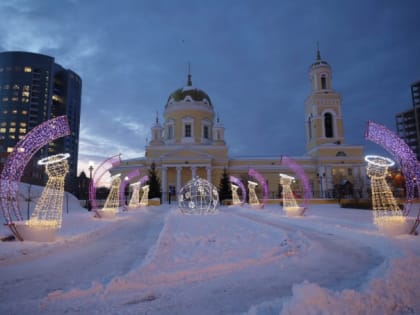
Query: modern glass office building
x,y
33,89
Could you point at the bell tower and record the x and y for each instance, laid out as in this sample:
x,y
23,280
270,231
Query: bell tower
x,y
323,119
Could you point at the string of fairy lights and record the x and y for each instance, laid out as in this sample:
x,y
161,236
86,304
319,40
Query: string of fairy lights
x,y
17,160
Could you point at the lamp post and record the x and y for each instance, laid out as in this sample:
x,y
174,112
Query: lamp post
x,y
321,179
89,206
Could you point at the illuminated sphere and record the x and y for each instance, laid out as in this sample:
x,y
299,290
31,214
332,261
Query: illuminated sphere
x,y
198,196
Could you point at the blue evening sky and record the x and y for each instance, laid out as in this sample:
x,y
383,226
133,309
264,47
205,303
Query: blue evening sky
x,y
251,57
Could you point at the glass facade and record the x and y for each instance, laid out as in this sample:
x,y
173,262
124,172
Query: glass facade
x,y
33,89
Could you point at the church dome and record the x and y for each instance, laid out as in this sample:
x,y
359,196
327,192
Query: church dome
x,y
189,93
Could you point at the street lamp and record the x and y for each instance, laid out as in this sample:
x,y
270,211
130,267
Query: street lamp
x,y
321,179
89,206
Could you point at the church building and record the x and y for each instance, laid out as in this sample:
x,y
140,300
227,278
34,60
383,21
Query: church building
x,y
190,142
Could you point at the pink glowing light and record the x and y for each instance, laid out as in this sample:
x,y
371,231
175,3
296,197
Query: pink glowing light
x,y
17,160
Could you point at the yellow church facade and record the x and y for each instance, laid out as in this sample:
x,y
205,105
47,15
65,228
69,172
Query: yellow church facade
x,y
190,142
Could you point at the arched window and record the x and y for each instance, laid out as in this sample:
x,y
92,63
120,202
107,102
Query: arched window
x,y
323,82
328,125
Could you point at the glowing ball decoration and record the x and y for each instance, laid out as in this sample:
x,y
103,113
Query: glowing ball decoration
x,y
198,196
387,215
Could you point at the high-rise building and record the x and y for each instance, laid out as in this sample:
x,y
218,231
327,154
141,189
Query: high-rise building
x,y
33,89
408,122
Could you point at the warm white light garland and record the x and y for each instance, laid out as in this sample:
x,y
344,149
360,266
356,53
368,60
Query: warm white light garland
x,y
386,209
144,202
290,205
253,199
235,197
49,208
135,196
112,202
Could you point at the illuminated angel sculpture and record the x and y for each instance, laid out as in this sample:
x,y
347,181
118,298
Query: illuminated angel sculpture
x,y
290,205
235,197
387,215
253,199
144,202
198,196
48,213
135,196
112,202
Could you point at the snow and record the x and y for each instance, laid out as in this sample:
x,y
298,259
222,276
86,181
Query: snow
x,y
239,260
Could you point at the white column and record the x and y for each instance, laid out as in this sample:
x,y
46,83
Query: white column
x,y
193,171
178,178
208,169
164,184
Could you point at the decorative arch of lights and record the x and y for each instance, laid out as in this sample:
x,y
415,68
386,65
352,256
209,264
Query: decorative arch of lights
x,y
239,183
198,196
404,156
262,182
49,208
298,170
100,171
17,160
135,197
134,173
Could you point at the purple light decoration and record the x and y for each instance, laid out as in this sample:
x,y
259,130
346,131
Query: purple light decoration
x,y
405,157
100,171
238,182
134,173
262,182
144,180
298,170
22,153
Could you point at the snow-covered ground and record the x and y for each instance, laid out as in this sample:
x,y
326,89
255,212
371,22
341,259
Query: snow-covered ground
x,y
239,261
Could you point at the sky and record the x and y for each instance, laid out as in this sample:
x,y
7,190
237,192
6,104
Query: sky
x,y
251,57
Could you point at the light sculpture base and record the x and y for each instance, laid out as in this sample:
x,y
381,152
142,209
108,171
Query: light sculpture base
x,y
35,233
294,211
107,213
395,225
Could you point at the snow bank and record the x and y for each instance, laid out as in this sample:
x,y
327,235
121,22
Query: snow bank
x,y
397,294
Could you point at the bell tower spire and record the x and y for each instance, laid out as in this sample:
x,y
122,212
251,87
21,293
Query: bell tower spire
x,y
324,123
189,80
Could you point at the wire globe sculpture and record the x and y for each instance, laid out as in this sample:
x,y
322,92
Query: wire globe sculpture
x,y
198,196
